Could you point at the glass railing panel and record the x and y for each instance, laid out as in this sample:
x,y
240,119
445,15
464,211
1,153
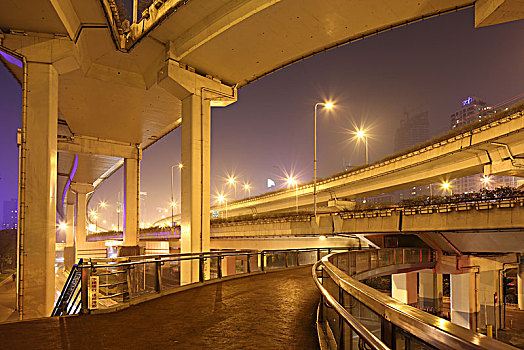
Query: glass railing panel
x,y
213,267
306,258
275,260
170,274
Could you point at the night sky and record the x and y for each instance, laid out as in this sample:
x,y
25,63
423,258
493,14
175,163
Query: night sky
x,y
428,66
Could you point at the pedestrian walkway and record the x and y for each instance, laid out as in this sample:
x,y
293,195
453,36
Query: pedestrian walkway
x,y
276,310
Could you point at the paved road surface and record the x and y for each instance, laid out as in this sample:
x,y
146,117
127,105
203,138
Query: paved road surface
x,y
276,310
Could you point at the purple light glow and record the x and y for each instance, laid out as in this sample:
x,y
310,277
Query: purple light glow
x,y
70,179
11,59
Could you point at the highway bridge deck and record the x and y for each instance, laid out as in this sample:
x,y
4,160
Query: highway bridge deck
x,y
276,310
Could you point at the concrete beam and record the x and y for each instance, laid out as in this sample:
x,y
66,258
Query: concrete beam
x,y
91,145
182,81
67,15
131,201
227,16
490,12
82,190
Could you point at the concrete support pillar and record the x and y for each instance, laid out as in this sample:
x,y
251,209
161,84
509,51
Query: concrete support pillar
x,y
36,265
430,291
463,295
404,287
131,202
82,190
196,157
69,249
520,284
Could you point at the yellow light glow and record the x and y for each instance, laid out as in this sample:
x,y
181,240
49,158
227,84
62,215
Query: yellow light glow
x,y
94,216
62,226
246,186
118,210
485,179
231,180
221,198
322,237
91,227
291,181
328,105
180,165
103,204
173,204
361,134
445,185
92,213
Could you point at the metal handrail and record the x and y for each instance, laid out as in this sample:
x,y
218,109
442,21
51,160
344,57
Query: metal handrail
x,y
431,329
365,334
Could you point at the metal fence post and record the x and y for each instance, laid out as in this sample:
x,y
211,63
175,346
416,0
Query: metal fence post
x,y
248,263
158,275
86,274
219,266
285,256
201,268
262,261
318,254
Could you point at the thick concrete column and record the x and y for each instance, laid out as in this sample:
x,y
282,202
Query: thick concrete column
x,y
463,300
404,287
131,203
82,190
69,249
520,283
196,157
430,291
36,270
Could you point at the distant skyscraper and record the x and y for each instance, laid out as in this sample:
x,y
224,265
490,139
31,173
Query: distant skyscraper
x,y
10,214
470,111
473,109
412,131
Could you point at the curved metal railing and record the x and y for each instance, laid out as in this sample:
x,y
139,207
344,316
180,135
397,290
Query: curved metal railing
x,y
395,324
113,283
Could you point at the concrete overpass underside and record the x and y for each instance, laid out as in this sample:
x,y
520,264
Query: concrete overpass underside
x,y
96,93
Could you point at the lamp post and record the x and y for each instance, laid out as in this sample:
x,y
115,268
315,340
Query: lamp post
x,y
232,182
291,181
179,166
361,135
221,199
327,105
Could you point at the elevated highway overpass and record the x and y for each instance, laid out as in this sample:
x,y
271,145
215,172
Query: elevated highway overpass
x,y
494,147
96,93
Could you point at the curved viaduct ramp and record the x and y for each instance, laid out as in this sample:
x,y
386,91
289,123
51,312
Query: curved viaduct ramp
x,y
275,310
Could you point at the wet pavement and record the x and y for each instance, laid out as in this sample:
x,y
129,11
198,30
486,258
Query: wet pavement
x,y
276,310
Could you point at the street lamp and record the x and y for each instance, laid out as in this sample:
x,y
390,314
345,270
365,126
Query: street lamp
x,y
247,188
172,205
62,226
486,179
327,105
221,199
232,182
361,135
447,186
118,210
179,166
292,182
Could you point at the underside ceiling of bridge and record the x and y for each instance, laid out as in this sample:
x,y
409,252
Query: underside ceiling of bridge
x,y
107,85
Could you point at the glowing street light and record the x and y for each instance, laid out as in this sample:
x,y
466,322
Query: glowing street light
x,y
62,226
291,181
362,135
327,105
221,199
486,179
103,204
232,182
247,188
447,186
